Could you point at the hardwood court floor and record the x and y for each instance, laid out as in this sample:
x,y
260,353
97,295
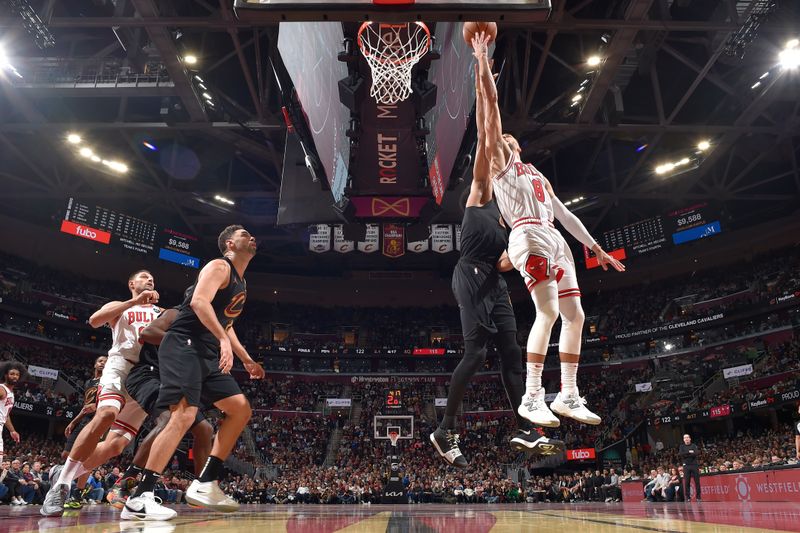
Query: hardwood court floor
x,y
620,517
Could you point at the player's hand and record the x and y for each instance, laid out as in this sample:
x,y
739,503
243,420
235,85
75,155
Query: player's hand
x,y
146,297
480,45
604,259
225,356
255,370
15,436
68,430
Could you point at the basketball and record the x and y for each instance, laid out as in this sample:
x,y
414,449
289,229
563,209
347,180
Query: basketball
x,y
472,28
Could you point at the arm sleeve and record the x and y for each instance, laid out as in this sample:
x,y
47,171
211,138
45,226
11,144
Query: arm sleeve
x,y
572,223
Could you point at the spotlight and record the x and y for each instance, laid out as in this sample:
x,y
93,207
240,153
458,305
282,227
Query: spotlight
x,y
86,152
577,98
794,43
149,146
703,146
756,85
223,200
593,61
198,78
202,86
74,138
790,56
95,158
190,59
207,96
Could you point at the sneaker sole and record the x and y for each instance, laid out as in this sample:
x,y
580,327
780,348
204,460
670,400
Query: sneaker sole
x,y
132,515
216,507
567,412
537,448
441,454
544,423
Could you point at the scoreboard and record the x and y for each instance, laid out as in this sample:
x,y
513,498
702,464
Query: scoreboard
x,y
394,399
106,226
658,233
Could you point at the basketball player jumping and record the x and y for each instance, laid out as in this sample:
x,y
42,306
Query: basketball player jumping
x,y
538,251
10,373
195,360
485,308
116,412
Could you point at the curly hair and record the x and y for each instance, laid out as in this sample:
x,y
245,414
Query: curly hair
x,y
8,366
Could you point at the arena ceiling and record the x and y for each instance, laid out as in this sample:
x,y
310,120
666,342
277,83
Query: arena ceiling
x,y
667,81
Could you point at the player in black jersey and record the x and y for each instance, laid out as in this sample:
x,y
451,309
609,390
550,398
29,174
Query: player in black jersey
x,y
195,360
485,308
142,385
85,415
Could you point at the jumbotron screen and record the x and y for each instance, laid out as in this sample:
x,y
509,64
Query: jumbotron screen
x,y
658,233
106,226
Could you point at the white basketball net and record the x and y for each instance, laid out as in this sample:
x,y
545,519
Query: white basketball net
x,y
394,437
392,50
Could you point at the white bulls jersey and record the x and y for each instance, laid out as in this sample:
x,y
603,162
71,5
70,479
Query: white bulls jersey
x,y
125,333
5,407
521,195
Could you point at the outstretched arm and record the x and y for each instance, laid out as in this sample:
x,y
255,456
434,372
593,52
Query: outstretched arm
x,y
480,192
497,151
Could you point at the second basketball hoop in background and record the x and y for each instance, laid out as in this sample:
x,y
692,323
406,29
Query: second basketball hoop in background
x,y
472,28
392,50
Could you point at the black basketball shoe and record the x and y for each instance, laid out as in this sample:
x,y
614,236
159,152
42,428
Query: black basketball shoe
x,y
446,443
536,443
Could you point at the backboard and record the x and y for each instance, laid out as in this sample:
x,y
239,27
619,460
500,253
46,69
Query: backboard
x,y
272,11
382,425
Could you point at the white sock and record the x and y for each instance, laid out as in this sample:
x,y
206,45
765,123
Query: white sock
x,y
70,472
533,379
569,378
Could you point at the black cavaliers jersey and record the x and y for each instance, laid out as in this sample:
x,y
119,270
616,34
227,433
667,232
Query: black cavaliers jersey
x,y
90,391
482,237
227,303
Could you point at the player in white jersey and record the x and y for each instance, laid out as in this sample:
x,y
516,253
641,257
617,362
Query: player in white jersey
x,y
538,251
10,373
116,412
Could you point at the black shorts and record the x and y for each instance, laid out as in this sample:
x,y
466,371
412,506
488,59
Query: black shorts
x,y
797,427
74,435
143,385
483,300
190,369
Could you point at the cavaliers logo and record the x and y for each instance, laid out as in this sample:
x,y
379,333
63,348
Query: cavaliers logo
x,y
236,306
400,207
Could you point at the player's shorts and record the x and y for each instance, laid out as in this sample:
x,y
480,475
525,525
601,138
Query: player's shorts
x,y
75,432
143,385
540,253
796,432
111,392
483,299
189,369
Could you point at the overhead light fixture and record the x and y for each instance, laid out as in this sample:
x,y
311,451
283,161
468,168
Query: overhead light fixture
x,y
95,158
149,146
577,98
190,59
224,200
207,96
756,85
6,65
703,145
202,86
790,55
764,75
198,78
86,152
641,147
74,138
593,61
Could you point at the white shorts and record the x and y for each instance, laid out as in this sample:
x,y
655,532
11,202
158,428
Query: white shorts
x,y
111,392
540,253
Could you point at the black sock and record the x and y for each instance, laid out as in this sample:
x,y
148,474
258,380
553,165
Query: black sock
x,y
132,471
213,470
148,483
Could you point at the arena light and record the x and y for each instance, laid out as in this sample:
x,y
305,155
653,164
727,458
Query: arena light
x,y
756,85
207,96
703,145
149,146
789,57
594,60
224,200
5,64
86,152
574,201
190,59
74,138
198,78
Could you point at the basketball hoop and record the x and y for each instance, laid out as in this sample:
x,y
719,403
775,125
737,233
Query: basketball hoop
x,y
394,437
392,50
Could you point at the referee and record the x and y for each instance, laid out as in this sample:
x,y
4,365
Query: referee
x,y
485,309
688,453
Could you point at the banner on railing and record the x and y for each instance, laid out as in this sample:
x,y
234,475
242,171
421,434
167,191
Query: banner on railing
x,y
42,372
44,409
737,371
371,241
320,241
644,387
339,243
440,402
338,402
581,454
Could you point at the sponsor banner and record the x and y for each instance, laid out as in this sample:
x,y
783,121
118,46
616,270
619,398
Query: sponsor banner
x,y
737,371
338,402
371,241
393,237
397,379
428,351
765,486
440,402
418,246
86,232
789,296
42,372
388,206
442,238
320,241
458,237
581,454
44,409
339,244
667,328
644,387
